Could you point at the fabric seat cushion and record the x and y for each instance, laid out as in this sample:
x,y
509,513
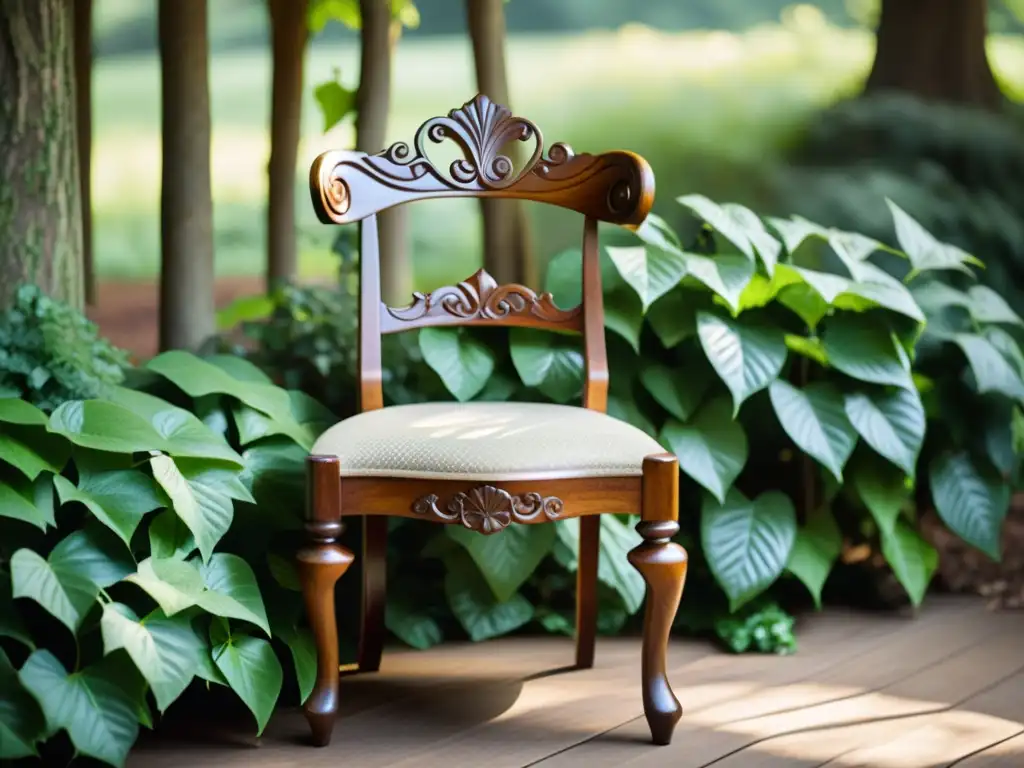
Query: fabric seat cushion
x,y
486,441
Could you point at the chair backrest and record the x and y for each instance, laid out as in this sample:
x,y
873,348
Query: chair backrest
x,y
349,186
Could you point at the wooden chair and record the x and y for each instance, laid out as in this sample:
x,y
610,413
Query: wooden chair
x,y
486,465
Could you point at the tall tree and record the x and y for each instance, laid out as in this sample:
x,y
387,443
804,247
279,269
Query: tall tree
x,y
40,215
507,252
289,35
379,34
935,49
83,115
186,201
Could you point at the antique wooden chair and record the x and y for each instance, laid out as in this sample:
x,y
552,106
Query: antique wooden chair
x,y
486,465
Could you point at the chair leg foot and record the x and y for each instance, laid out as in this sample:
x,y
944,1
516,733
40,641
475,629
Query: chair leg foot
x,y
662,563
320,567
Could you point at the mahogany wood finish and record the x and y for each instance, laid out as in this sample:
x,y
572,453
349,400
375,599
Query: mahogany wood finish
x,y
616,187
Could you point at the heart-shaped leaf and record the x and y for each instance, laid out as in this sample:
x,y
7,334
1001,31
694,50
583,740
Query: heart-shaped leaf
x,y
747,543
674,317
165,650
656,231
882,487
474,605
864,350
970,502
651,272
747,356
104,426
232,590
251,668
118,499
169,537
462,362
29,502
815,549
739,225
551,362
912,559
727,276
509,559
679,392
712,450
201,494
21,720
99,715
412,624
892,422
814,418
992,371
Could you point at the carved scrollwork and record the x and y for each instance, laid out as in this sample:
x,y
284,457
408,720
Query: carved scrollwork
x,y
489,510
479,297
481,128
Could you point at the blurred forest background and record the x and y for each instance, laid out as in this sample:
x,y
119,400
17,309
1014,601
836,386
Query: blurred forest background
x,y
750,101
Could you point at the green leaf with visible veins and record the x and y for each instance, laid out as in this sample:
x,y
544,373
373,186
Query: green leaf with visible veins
x,y
814,418
462,362
201,493
911,558
651,272
99,715
815,549
118,499
474,605
747,356
508,560
251,668
712,449
970,501
21,721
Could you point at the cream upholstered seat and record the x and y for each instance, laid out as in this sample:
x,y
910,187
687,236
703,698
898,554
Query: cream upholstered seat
x,y
486,441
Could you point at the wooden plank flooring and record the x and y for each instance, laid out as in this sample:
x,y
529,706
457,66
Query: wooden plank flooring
x,y
945,688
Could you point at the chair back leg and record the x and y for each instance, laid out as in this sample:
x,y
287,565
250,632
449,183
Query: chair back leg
x,y
375,567
586,590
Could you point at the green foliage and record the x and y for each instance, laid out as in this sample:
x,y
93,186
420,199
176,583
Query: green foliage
x,y
50,353
134,541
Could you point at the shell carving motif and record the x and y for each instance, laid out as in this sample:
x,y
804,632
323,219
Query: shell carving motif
x,y
489,510
481,128
480,297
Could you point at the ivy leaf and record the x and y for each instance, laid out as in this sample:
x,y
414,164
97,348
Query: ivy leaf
x,y
712,450
25,501
992,372
679,392
651,272
21,721
118,499
911,558
673,317
864,350
165,650
815,549
67,582
99,715
969,502
251,668
183,434
232,590
883,489
814,418
507,560
462,362
923,250
548,361
336,102
201,494
746,356
726,276
411,624
104,426
474,605
169,537
747,543
893,423
987,306
613,569
33,451
197,377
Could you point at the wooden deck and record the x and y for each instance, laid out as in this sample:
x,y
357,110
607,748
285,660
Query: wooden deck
x,y
945,688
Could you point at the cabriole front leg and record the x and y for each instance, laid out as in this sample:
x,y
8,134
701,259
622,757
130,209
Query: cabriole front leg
x,y
662,563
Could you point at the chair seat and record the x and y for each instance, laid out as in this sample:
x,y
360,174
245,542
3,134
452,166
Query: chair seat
x,y
486,441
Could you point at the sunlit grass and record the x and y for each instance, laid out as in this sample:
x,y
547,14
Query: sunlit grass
x,y
707,109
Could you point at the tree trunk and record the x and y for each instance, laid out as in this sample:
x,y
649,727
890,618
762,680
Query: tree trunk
x,y
289,34
40,216
935,49
186,204
507,252
83,114
373,100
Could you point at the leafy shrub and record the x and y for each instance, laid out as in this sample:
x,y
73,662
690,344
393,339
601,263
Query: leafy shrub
x,y
144,542
50,353
732,337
